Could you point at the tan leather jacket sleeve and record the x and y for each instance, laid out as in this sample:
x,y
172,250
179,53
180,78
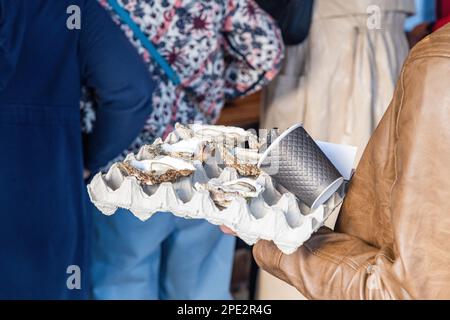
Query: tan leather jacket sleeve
x,y
413,262
333,266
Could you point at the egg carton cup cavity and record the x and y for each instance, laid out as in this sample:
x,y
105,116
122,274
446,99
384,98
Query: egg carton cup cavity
x,y
274,215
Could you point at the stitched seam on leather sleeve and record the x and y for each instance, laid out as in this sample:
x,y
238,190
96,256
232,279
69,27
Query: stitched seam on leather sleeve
x,y
316,252
350,260
346,261
428,55
334,259
397,135
278,260
287,275
397,121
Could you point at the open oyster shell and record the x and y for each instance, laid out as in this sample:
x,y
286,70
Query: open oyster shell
x,y
243,160
192,149
224,192
158,170
183,132
275,214
177,176
211,133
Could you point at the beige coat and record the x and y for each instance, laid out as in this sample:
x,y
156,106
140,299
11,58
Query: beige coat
x,y
339,82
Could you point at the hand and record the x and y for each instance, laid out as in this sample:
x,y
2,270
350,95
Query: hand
x,y
227,230
86,174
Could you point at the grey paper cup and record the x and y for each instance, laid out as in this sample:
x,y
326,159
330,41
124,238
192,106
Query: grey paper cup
x,y
296,162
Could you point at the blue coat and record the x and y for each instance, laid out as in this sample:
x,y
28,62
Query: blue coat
x,y
43,221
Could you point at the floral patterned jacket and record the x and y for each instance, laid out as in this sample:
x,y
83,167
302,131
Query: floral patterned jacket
x,y
220,49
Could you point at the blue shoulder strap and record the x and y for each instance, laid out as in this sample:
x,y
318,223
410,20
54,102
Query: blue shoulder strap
x,y
125,17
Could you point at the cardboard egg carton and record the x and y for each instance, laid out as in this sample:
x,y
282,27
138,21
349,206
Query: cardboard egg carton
x,y
268,212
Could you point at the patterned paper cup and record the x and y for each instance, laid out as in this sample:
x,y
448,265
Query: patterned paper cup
x,y
296,162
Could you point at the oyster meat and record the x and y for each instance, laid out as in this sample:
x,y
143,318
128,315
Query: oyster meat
x,y
249,156
151,151
158,170
212,133
223,193
190,149
183,132
245,161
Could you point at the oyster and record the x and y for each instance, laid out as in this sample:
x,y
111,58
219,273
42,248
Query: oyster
x,y
191,149
250,156
223,193
247,170
180,133
157,171
254,142
263,140
183,132
166,177
245,161
151,151
212,133
172,138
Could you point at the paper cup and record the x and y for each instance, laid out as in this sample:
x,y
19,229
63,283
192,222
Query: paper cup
x,y
297,163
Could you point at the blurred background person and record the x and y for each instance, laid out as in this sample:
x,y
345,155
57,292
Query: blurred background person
x,y
442,14
293,17
425,13
219,50
338,82
44,230
431,16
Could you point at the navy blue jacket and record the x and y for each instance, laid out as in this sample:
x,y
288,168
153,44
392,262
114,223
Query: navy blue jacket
x,y
43,222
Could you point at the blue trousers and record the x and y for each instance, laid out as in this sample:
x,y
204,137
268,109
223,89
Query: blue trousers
x,y
163,258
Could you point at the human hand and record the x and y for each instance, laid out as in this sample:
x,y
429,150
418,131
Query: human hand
x,y
86,174
227,230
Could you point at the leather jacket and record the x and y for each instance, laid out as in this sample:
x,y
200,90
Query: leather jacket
x,y
392,238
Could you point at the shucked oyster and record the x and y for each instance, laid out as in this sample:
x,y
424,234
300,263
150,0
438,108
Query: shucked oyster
x,y
159,170
180,133
223,193
151,151
212,133
183,132
245,161
190,149
249,156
